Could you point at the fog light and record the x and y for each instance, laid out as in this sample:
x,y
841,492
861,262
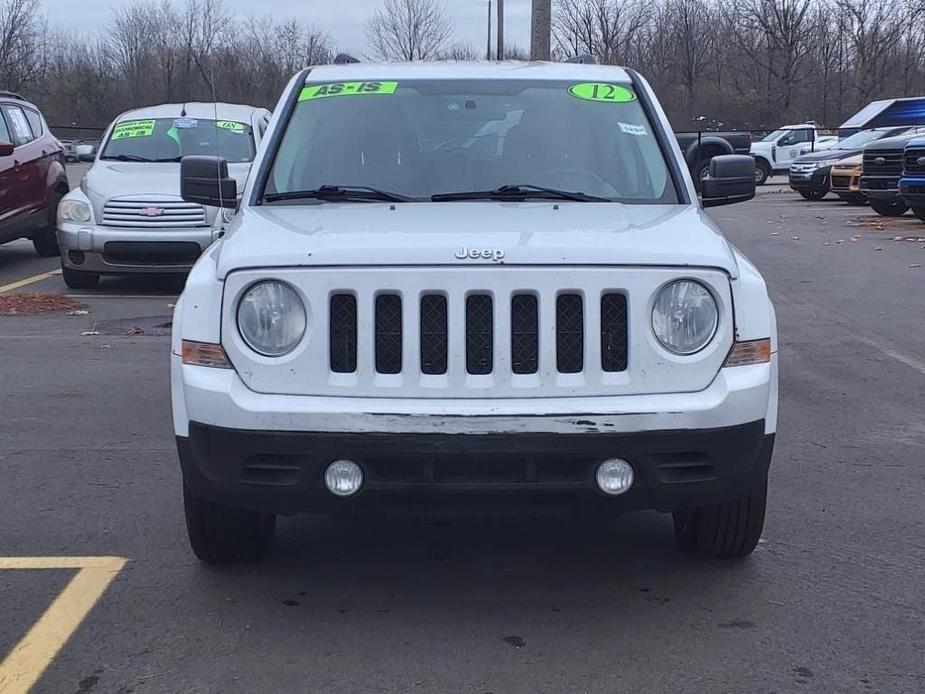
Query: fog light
x,y
614,476
343,478
76,257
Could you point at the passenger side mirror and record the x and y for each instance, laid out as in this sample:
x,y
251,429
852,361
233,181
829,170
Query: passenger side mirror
x,y
6,149
205,180
731,180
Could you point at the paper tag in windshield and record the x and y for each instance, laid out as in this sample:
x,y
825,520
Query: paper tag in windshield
x,y
631,129
186,123
324,91
133,128
230,126
601,91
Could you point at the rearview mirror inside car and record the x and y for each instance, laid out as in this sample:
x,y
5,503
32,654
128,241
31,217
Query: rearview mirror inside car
x,y
731,180
205,180
6,149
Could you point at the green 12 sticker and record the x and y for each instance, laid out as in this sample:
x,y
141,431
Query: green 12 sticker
x,y
601,91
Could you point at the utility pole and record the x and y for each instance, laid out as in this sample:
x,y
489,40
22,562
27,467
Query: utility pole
x,y
500,46
541,34
488,50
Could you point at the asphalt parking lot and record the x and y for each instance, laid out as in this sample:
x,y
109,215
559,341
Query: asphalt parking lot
x,y
832,600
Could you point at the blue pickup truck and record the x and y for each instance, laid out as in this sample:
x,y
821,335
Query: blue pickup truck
x,y
912,183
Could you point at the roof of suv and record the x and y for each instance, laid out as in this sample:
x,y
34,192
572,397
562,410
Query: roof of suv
x,y
194,109
468,70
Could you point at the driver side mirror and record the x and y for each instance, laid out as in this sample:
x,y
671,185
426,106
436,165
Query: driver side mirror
x,y
731,180
6,149
205,180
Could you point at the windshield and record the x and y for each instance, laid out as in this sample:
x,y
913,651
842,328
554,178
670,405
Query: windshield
x,y
169,139
421,138
773,136
858,140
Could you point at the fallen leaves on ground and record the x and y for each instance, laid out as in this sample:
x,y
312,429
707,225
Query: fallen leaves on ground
x,y
28,304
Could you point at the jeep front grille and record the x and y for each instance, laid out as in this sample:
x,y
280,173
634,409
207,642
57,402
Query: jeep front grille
x,y
140,213
479,333
892,162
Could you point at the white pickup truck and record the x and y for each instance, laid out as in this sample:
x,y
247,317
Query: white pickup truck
x,y
774,153
426,303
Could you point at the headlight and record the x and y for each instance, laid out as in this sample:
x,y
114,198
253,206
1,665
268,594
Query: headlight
x,y
684,317
73,211
271,318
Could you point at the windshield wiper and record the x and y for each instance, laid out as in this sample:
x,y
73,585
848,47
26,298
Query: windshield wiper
x,y
166,160
518,192
126,157
339,193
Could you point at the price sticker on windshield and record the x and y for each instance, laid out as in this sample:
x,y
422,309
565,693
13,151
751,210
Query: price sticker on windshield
x,y
231,126
325,91
601,91
133,128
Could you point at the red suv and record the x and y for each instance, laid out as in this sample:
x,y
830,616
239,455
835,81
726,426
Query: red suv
x,y
32,177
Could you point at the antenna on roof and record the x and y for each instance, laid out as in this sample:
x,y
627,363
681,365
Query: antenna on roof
x,y
344,59
583,59
183,110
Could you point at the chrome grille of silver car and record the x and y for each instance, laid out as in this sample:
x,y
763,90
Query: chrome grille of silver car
x,y
139,213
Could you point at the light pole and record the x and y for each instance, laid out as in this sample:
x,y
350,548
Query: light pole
x,y
541,30
488,50
500,46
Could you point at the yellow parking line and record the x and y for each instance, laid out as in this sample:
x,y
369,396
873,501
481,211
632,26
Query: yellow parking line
x,y
29,658
29,280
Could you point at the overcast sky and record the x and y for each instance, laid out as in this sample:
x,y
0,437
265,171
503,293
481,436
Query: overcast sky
x,y
342,19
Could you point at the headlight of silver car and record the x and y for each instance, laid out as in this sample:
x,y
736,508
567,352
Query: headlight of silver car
x,y
684,317
271,318
73,211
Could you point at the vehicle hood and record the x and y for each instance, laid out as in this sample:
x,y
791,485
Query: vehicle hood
x,y
826,155
890,143
531,233
109,179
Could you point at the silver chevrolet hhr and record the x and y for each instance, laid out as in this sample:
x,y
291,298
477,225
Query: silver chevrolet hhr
x,y
127,216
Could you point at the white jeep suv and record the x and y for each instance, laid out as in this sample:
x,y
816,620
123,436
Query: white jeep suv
x,y
452,287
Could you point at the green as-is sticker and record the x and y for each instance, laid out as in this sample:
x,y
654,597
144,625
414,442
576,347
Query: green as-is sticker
x,y
601,91
323,91
132,128
231,125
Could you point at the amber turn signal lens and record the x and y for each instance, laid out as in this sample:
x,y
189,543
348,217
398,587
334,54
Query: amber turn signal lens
x,y
205,354
751,352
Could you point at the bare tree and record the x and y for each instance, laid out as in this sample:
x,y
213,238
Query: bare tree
x,y
408,30
603,28
19,33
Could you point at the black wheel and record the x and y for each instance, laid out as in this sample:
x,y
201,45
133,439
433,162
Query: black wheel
x,y
919,212
700,172
730,530
45,241
814,194
223,535
888,209
762,172
79,280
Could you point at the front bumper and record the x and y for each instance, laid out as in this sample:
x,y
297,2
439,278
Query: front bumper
x,y
881,188
912,189
817,179
281,472
117,250
268,452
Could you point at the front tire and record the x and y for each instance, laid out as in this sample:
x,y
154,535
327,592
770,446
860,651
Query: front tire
x,y
762,172
45,241
75,279
919,212
729,530
221,534
888,209
814,194
855,199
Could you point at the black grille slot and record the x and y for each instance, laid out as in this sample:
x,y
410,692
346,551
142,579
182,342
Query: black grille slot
x,y
570,334
479,334
613,333
343,333
525,338
433,334
912,161
388,334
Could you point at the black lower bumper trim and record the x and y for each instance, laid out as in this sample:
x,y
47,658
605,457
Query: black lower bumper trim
x,y
281,472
